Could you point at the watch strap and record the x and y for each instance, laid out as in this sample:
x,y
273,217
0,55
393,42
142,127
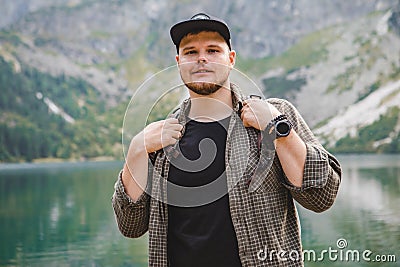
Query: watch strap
x,y
271,125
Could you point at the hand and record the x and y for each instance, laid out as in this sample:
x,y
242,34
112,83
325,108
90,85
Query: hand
x,y
162,133
257,113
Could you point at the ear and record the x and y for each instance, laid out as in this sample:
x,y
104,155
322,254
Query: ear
x,y
232,58
177,59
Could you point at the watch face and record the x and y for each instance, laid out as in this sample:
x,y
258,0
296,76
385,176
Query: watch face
x,y
282,128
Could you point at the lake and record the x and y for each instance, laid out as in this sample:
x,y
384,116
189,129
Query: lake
x,y
60,214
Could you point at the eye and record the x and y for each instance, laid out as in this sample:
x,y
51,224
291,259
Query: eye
x,y
212,51
190,52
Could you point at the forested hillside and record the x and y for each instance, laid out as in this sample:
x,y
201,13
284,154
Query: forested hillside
x,y
53,117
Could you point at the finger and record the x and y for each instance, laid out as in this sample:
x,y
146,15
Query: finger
x,y
177,127
249,101
253,105
168,142
245,123
169,137
244,118
245,112
174,131
176,135
242,114
173,122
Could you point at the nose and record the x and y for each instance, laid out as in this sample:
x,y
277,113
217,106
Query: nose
x,y
202,58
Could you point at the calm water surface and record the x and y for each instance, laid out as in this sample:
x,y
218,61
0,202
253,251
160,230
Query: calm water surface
x,y
60,215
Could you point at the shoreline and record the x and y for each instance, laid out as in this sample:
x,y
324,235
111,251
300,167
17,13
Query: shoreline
x,y
45,163
61,160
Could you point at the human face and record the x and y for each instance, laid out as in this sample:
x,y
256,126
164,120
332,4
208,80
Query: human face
x,y
205,62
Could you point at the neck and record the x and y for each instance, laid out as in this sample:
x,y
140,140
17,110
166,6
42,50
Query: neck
x,y
213,107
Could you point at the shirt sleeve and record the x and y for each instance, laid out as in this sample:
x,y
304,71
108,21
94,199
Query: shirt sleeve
x,y
132,216
322,171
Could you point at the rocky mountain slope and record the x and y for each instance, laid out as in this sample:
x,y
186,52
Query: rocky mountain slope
x,y
116,44
354,86
337,61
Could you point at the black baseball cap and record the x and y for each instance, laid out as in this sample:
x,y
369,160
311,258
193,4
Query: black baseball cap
x,y
197,23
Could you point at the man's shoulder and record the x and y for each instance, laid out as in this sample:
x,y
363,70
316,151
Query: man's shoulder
x,y
278,101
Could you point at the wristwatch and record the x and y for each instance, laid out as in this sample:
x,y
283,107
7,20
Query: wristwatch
x,y
279,127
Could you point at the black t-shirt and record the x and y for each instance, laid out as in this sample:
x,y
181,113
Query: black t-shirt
x,y
201,235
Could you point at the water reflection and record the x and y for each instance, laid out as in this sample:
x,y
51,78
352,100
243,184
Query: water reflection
x,y
365,213
60,215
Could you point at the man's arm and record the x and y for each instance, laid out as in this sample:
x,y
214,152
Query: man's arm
x,y
132,216
322,171
134,173
291,150
311,174
130,202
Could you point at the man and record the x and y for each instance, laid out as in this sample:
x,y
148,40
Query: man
x,y
215,184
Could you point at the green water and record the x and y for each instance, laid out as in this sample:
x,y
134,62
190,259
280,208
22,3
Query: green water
x,y
60,215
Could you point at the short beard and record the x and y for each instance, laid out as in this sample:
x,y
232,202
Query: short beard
x,y
203,88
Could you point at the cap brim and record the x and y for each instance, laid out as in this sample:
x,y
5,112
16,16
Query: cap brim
x,y
179,30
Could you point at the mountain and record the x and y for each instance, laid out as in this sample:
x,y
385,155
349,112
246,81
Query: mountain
x,y
69,68
345,82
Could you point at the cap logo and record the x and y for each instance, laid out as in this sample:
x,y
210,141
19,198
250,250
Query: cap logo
x,y
200,16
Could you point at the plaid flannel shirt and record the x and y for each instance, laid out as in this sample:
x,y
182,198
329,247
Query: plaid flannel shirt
x,y
265,219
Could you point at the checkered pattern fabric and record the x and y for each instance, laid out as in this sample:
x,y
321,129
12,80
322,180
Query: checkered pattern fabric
x,y
265,218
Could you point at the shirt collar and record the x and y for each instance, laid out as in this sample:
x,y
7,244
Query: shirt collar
x,y
236,104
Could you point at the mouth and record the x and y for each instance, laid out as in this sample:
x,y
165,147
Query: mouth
x,y
201,71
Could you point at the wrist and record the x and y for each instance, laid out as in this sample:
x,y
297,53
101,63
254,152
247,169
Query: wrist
x,y
273,111
133,188
266,123
278,127
138,146
126,175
